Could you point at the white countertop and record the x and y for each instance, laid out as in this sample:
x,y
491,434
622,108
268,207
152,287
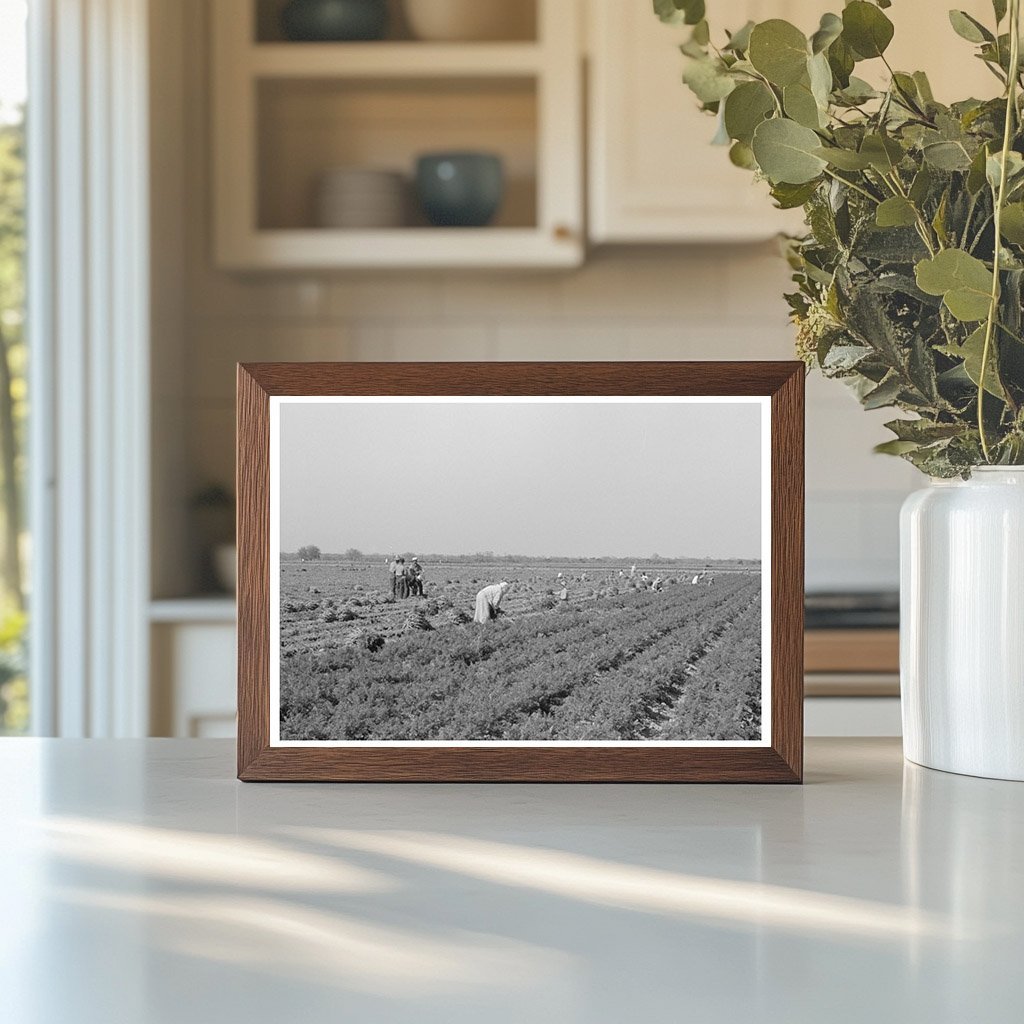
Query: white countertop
x,y
143,885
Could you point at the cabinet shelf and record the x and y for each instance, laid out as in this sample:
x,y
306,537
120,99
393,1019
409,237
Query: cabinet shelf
x,y
393,60
286,113
309,248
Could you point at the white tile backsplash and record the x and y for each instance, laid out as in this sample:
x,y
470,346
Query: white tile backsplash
x,y
714,303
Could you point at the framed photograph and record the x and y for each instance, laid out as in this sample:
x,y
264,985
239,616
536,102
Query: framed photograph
x,y
548,572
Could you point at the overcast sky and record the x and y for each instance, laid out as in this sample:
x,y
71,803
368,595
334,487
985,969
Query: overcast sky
x,y
587,479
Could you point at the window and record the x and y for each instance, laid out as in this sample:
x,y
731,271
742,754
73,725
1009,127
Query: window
x,y
14,548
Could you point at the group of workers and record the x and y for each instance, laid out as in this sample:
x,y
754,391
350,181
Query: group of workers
x,y
405,578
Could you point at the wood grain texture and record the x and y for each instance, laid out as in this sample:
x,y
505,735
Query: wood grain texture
x,y
252,487
852,650
782,762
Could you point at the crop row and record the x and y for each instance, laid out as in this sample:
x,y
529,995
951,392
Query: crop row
x,y
587,672
722,700
623,704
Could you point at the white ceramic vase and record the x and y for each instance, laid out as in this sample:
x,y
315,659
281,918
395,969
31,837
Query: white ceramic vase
x,y
962,624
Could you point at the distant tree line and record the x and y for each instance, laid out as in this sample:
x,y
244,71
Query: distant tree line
x,y
313,553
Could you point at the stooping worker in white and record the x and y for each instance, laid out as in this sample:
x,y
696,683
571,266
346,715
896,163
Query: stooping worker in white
x,y
488,602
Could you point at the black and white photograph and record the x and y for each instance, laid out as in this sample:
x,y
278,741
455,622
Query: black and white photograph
x,y
519,570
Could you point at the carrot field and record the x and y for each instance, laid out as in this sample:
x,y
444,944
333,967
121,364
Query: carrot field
x,y
617,661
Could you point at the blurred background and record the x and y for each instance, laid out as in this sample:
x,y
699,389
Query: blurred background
x,y
245,180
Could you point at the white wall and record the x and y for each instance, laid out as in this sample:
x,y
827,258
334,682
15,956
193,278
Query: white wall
x,y
657,303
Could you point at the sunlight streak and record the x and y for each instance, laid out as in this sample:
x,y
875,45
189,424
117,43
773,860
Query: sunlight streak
x,y
648,890
188,856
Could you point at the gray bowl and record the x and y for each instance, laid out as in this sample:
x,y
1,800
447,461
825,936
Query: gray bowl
x,y
461,190
334,20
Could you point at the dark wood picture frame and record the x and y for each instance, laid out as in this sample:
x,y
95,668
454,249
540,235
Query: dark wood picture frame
x,y
781,761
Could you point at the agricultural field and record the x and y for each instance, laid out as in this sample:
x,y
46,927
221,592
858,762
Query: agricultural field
x,y
616,661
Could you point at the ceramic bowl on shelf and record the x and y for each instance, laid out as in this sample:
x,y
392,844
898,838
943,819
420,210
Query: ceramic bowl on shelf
x,y
225,566
361,198
470,20
332,21
460,189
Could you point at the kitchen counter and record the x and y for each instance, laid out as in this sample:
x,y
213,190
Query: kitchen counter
x,y
144,885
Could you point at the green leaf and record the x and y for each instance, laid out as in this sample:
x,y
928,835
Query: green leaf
x,y
676,12
906,89
741,155
844,159
694,11
923,431
1014,169
858,91
896,212
800,105
884,395
947,156
829,30
841,60
976,173
883,153
820,76
778,50
785,152
739,41
939,220
746,107
789,197
1012,225
924,87
971,352
866,29
963,281
708,80
896,447
921,185
969,28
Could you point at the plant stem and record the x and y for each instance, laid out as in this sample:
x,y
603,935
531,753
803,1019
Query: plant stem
x,y
923,228
993,309
856,188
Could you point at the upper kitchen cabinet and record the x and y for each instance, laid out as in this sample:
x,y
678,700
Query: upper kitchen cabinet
x,y
654,175
316,142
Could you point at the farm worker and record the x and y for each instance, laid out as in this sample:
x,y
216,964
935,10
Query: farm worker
x,y
488,602
392,573
416,577
402,578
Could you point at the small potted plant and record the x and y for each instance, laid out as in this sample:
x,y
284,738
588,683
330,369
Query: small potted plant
x,y
908,288
214,510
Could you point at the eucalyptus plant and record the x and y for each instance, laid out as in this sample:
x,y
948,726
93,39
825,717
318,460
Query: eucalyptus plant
x,y
910,278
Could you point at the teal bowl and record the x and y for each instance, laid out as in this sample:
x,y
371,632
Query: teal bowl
x,y
460,190
334,21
